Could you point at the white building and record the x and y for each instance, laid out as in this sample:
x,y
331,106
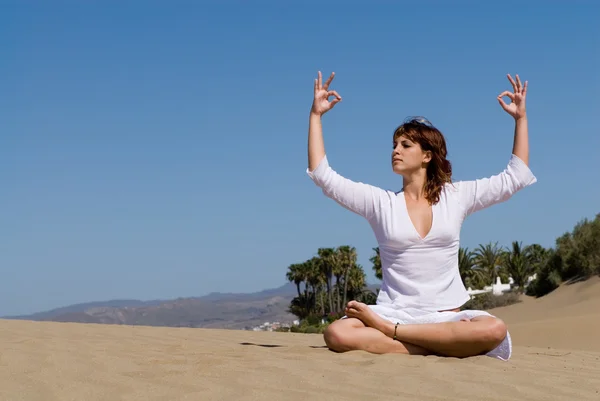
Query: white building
x,y
498,288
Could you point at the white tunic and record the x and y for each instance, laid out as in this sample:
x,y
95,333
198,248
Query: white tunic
x,y
421,274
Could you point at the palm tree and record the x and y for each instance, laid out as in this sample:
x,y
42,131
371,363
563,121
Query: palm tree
x,y
356,281
338,272
327,261
489,258
471,275
347,258
518,265
376,260
316,280
465,265
293,275
536,255
301,273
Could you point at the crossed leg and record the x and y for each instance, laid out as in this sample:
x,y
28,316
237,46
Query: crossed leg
x,y
367,331
462,339
351,334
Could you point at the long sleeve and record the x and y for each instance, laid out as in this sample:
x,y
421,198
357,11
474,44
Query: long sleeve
x,y
479,194
362,199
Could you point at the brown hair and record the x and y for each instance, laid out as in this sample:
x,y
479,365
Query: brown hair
x,y
439,169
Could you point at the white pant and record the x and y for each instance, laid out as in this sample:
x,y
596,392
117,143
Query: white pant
x,y
417,316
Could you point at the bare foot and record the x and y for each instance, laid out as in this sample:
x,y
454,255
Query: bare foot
x,y
362,312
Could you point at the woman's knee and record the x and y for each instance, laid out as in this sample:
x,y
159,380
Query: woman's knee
x,y
494,331
337,335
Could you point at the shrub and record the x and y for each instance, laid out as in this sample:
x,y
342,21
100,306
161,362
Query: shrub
x,y
548,276
490,301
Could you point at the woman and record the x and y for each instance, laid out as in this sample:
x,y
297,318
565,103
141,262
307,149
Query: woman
x,y
417,229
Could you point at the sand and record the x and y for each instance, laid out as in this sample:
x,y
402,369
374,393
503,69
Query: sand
x,y
556,357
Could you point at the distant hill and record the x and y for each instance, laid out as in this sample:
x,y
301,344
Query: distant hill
x,y
215,310
116,303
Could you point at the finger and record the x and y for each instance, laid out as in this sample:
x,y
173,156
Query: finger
x,y
328,82
320,80
525,88
335,101
519,85
514,85
508,94
334,93
503,103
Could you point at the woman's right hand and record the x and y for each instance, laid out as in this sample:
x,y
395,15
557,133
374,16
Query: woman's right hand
x,y
321,103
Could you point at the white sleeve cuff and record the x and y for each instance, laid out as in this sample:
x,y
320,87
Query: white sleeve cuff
x,y
521,171
318,173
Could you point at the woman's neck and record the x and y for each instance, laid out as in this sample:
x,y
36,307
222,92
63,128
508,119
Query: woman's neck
x,y
414,185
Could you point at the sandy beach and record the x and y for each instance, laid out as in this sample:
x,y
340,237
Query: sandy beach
x,y
556,357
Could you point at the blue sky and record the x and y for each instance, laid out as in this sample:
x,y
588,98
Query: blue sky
x,y
150,150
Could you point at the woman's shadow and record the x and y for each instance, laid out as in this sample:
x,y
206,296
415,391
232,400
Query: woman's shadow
x,y
278,345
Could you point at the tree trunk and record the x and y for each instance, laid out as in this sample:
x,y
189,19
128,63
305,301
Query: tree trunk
x,y
322,301
338,290
346,286
330,294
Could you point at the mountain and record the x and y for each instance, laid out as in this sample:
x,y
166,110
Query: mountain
x,y
116,303
215,310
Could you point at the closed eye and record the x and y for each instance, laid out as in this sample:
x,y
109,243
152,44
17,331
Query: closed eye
x,y
403,143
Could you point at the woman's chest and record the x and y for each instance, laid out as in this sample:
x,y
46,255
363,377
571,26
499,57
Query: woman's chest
x,y
409,225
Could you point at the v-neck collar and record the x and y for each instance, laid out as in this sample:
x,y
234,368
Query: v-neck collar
x,y
412,224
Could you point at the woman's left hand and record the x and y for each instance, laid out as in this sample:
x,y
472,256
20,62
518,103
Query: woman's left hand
x,y
516,108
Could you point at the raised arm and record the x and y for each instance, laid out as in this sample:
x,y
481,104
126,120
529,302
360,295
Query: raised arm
x,y
518,111
320,106
482,193
359,198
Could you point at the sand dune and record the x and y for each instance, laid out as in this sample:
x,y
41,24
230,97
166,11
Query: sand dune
x,y
568,318
556,357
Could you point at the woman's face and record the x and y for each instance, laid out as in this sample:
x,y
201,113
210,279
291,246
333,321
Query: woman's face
x,y
408,156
